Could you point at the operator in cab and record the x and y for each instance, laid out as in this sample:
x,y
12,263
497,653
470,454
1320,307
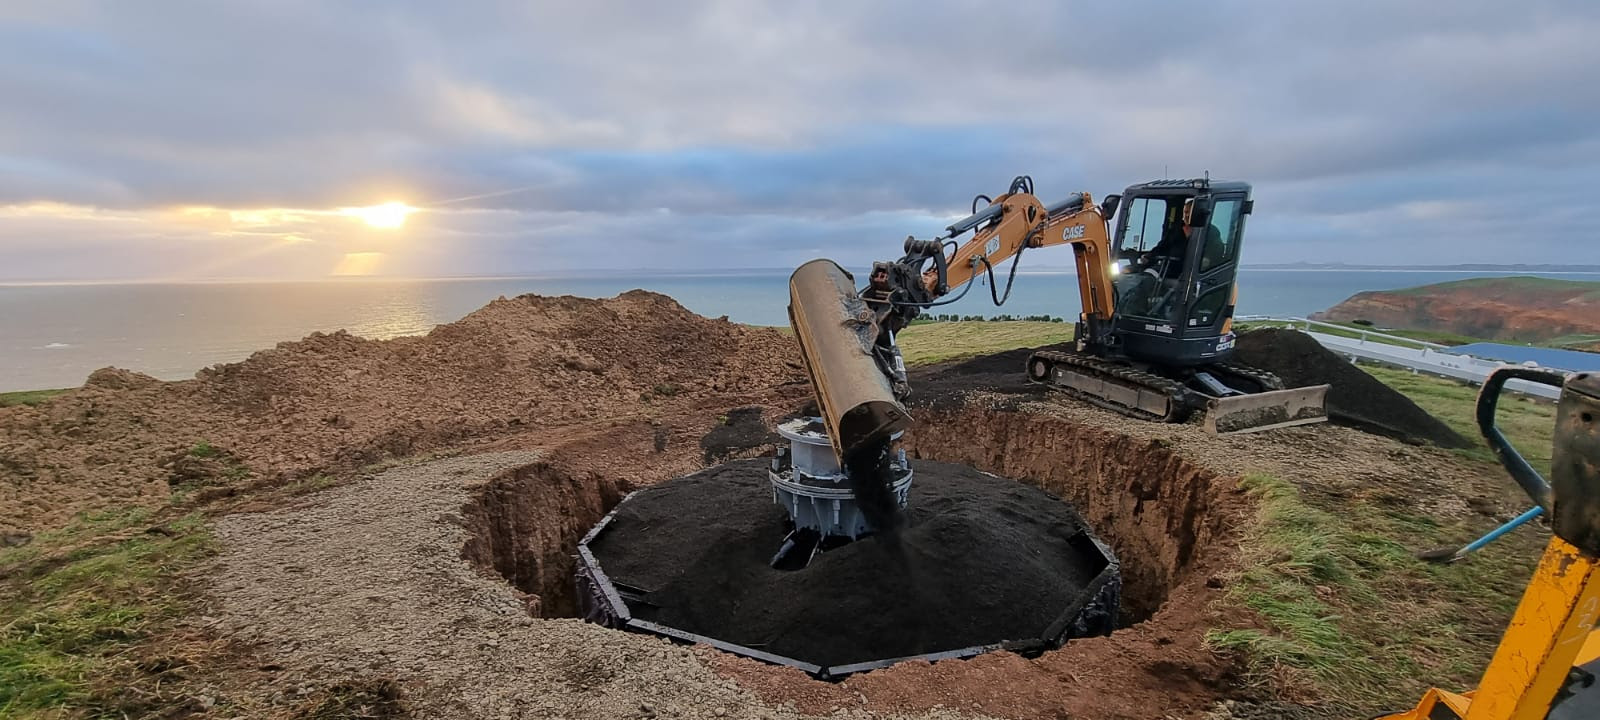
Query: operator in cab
x,y
1150,285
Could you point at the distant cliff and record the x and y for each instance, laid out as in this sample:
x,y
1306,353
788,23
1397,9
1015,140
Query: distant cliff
x,y
1525,309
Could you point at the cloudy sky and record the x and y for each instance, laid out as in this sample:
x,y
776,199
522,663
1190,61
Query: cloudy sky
x,y
239,139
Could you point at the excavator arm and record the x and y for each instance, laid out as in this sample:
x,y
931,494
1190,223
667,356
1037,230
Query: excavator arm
x,y
847,338
1011,224
1024,223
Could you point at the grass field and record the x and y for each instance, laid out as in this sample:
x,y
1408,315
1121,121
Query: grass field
x,y
1527,422
82,607
1515,283
926,343
1353,618
1589,343
27,397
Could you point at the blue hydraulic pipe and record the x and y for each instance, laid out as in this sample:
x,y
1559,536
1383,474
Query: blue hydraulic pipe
x,y
1495,534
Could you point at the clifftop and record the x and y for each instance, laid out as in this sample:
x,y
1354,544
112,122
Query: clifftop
x,y
1524,309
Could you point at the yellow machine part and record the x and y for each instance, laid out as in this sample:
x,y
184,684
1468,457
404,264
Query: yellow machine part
x,y
1551,632
1552,638
836,331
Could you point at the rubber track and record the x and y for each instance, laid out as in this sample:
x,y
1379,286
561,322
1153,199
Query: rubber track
x,y
1178,407
1268,381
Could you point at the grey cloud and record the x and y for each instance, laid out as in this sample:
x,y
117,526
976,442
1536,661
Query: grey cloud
x,y
758,126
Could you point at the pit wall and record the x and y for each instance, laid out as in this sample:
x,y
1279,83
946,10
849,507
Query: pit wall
x,y
1166,518
524,524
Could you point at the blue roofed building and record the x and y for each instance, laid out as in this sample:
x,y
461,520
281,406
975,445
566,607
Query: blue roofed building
x,y
1570,360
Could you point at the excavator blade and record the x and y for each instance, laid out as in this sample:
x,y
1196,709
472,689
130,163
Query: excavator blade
x,y
836,331
1266,410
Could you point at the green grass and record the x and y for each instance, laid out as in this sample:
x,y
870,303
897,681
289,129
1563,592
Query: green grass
x,y
1590,343
1350,614
311,484
28,397
1528,422
79,601
941,341
1522,283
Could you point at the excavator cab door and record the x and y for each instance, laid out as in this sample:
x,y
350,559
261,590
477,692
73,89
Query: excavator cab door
x,y
1177,249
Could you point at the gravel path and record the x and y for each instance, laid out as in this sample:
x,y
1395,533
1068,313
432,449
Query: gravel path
x,y
367,580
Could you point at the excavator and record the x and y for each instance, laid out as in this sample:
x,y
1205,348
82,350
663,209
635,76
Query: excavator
x,y
1155,335
1546,663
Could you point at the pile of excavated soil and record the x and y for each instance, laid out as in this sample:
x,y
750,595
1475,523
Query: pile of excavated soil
x,y
332,403
1356,398
978,560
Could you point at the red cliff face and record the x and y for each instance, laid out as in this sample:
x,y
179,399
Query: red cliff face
x,y
1515,308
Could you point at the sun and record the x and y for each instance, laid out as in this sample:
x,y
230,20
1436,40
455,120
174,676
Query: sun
x,y
387,216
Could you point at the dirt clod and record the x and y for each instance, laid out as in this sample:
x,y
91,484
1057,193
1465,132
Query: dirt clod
x,y
740,432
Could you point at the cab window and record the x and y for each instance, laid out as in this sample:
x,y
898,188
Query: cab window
x,y
1221,241
1146,221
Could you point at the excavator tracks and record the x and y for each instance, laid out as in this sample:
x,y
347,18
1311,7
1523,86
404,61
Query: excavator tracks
x,y
1113,386
1148,396
1266,380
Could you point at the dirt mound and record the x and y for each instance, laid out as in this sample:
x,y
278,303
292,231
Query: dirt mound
x,y
1356,398
334,402
980,560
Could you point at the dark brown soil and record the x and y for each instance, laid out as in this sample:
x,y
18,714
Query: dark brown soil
x,y
1356,398
978,561
740,431
944,386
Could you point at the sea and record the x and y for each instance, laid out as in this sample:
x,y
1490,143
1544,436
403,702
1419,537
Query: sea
x,y
54,335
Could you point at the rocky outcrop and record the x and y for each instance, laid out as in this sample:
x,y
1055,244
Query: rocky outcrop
x,y
1525,309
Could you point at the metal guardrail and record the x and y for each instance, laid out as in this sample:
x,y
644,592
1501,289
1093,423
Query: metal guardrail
x,y
1417,355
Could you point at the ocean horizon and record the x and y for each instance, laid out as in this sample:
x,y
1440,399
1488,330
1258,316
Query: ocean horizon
x,y
53,335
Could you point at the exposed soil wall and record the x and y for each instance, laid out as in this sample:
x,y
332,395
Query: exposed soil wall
x,y
1163,516
525,524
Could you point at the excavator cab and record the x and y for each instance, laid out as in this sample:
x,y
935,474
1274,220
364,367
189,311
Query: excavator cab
x,y
1176,252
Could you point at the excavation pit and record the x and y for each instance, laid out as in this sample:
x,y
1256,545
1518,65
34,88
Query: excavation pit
x,y
978,563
